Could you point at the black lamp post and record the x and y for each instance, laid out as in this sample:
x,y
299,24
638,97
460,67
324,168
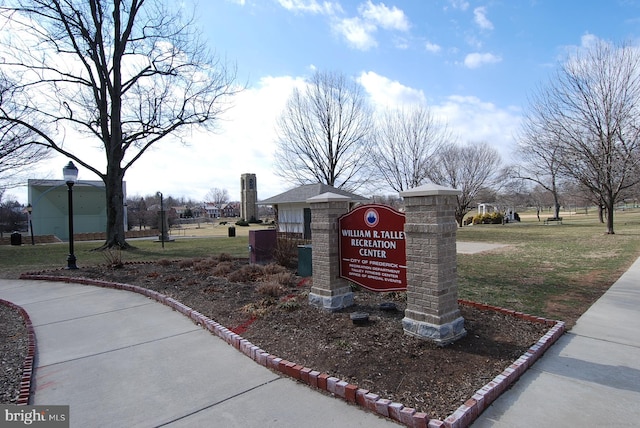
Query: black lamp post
x,y
29,211
70,173
159,194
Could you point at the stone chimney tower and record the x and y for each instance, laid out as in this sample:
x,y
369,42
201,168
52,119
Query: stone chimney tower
x,y
248,197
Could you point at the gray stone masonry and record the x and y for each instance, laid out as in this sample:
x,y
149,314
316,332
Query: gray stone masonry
x,y
329,291
432,292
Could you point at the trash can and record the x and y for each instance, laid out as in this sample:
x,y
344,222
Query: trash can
x,y
16,238
232,231
304,261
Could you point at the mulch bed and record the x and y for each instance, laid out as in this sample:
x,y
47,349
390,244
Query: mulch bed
x,y
268,306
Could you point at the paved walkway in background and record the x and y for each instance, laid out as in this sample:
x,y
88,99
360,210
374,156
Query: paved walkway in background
x,y
476,247
119,359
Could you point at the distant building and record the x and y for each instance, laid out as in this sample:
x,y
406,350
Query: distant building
x,y
181,210
293,213
232,209
211,210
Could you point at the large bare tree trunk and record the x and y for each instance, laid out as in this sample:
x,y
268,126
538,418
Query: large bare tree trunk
x,y
115,210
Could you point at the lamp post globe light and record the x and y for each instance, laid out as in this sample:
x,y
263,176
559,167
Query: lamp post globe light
x,y
70,174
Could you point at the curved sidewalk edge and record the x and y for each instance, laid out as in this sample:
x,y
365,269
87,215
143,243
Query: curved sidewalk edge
x,y
28,365
396,412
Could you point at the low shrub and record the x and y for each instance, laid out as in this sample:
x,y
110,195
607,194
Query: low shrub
x,y
113,257
273,268
286,251
271,289
247,273
488,218
283,278
185,264
222,269
224,257
289,305
205,264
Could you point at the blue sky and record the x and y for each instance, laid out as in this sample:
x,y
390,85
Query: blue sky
x,y
474,63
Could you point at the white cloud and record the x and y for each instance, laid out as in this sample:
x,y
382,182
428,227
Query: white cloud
x,y
387,18
480,18
460,4
588,40
385,92
476,59
311,6
401,43
432,47
358,33
473,120
468,117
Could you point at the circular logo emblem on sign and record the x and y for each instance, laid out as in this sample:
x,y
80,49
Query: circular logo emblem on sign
x,y
371,217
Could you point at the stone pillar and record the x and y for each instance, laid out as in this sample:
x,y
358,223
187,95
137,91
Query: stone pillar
x,y
329,291
432,292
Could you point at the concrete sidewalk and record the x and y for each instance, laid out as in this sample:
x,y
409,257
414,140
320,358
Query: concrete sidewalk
x,y
119,359
590,377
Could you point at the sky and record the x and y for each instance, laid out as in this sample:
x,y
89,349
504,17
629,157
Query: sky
x,y
473,63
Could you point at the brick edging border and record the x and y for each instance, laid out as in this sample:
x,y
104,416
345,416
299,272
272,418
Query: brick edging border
x,y
28,365
460,418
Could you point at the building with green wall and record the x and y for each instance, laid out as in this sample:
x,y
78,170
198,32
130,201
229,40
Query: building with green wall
x,y
50,202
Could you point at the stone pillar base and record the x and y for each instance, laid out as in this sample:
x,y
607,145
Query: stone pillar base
x,y
340,299
442,335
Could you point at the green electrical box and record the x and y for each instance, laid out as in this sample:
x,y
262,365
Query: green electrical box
x,y
304,261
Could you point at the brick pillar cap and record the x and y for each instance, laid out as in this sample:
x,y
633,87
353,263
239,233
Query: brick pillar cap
x,y
429,189
328,197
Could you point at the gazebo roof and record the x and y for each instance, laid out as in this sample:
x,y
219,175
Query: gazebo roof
x,y
306,191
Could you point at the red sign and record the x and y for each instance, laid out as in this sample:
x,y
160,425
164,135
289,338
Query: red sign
x,y
372,248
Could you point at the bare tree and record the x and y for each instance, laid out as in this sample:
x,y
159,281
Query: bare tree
x,y
540,158
17,154
324,133
11,214
592,107
218,196
123,73
471,169
407,142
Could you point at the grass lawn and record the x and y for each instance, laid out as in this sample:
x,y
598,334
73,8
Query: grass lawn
x,y
190,242
553,270
556,271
